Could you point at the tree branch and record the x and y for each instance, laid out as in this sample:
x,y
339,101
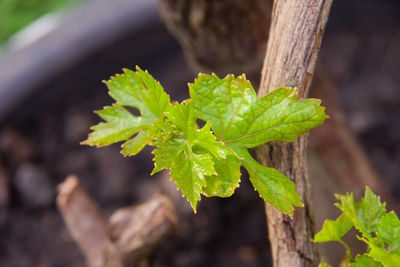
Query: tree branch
x,y
129,236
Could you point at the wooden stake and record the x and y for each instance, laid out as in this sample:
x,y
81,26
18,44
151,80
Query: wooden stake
x,y
295,36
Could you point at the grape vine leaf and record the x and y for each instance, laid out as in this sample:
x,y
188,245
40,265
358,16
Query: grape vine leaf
x,y
379,230
207,160
189,156
364,261
274,187
240,118
243,121
137,90
227,179
364,214
186,167
380,254
334,230
389,231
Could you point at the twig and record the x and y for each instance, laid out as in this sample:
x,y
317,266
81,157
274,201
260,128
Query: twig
x,y
86,225
132,233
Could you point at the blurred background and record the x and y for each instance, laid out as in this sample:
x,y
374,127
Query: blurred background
x,y
54,55
15,15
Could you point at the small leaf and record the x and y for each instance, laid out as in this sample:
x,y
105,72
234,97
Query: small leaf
x,y
190,153
383,256
134,145
132,89
365,261
323,264
227,179
242,121
365,214
221,101
275,188
239,117
278,116
389,231
189,175
120,125
380,230
334,230
186,167
139,90
183,117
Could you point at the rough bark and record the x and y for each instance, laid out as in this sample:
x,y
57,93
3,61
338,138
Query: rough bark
x,y
131,233
224,36
294,40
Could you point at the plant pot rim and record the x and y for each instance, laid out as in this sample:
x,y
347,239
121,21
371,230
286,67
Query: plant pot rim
x,y
71,36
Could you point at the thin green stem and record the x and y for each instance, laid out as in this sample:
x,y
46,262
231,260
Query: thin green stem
x,y
348,250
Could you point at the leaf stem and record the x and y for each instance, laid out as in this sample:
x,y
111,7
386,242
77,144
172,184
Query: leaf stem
x,y
348,250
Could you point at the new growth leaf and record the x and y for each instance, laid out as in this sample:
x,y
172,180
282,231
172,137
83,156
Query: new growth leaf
x,y
379,230
206,160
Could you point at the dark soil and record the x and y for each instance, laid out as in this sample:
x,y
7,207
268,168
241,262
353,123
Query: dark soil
x,y
39,147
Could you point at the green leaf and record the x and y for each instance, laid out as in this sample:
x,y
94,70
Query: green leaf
x,y
239,117
134,145
182,116
241,121
191,153
365,214
383,256
137,90
201,160
221,101
120,125
323,264
334,230
380,230
227,179
186,167
275,188
389,231
365,261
